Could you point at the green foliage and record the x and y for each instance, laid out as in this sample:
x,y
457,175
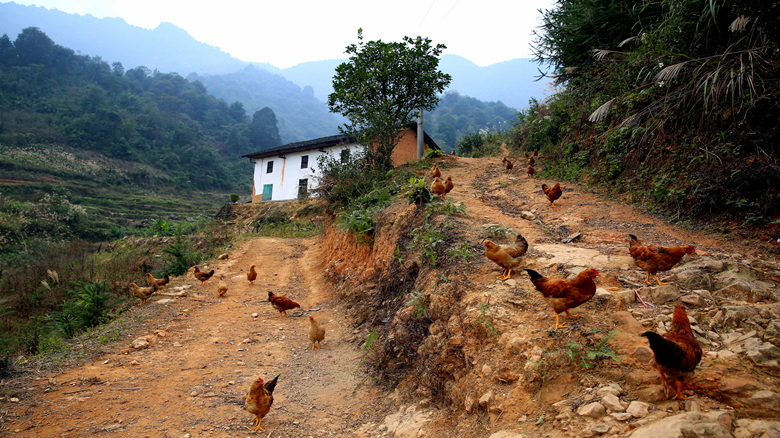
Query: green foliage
x,y
428,240
498,230
486,318
181,257
456,116
585,356
419,303
417,191
382,87
233,198
462,252
480,144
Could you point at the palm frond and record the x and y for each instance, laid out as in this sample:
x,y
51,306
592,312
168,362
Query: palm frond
x,y
671,72
601,111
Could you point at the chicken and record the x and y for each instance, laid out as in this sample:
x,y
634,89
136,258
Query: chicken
x,y
435,171
507,163
677,352
151,281
437,187
656,258
531,158
143,292
222,288
259,399
202,275
316,333
252,274
453,152
448,186
506,256
563,295
282,304
530,171
552,193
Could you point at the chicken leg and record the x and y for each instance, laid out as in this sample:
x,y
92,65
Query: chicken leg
x,y
507,274
557,324
259,422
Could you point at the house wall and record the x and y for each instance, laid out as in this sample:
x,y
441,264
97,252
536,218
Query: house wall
x,y
406,149
287,172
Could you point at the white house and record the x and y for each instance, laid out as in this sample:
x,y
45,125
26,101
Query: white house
x,y
288,172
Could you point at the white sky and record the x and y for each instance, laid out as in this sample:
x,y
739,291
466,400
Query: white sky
x,y
284,33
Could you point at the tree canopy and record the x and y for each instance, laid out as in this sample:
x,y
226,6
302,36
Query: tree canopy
x,y
382,87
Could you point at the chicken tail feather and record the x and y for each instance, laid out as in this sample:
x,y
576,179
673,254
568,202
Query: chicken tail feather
x,y
270,386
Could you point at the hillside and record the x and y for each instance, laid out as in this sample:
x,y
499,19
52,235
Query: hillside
x,y
455,350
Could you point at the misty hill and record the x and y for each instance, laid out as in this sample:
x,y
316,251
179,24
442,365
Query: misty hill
x,y
167,48
300,115
510,82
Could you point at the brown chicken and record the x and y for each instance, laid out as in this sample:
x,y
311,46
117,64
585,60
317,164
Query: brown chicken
x,y
530,171
453,152
282,304
506,256
259,399
437,187
563,295
316,333
676,353
531,158
151,281
202,275
552,193
435,171
143,292
448,186
507,163
222,288
656,258
252,274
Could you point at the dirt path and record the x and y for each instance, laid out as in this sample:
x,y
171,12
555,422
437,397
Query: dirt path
x,y
192,378
205,351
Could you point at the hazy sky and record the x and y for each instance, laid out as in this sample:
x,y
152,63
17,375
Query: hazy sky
x,y
287,32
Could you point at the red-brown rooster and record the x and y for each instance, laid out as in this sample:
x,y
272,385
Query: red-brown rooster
x,y
677,352
563,295
656,258
552,193
282,304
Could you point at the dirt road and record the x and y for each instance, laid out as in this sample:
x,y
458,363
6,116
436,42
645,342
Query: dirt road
x,y
204,353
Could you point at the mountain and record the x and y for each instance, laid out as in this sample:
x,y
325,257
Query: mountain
x,y
510,82
167,48
300,115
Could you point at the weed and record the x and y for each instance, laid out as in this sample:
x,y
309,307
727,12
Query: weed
x,y
462,253
486,318
417,191
498,230
419,303
181,257
584,356
427,238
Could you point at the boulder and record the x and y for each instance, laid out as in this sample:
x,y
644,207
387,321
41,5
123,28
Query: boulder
x,y
772,333
749,428
592,410
689,425
763,354
660,294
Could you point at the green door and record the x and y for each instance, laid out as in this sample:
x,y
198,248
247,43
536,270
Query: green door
x,y
267,191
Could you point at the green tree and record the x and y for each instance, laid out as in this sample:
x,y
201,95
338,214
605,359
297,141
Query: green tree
x,y
263,131
382,87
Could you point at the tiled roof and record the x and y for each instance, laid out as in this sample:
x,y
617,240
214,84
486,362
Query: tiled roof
x,y
317,143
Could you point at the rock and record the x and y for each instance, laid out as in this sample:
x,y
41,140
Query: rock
x,y
638,409
600,428
485,399
223,256
660,294
612,403
407,422
748,428
468,403
607,390
735,285
507,434
763,354
527,215
768,400
625,321
696,276
486,370
689,425
139,343
692,300
772,333
592,410
621,416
